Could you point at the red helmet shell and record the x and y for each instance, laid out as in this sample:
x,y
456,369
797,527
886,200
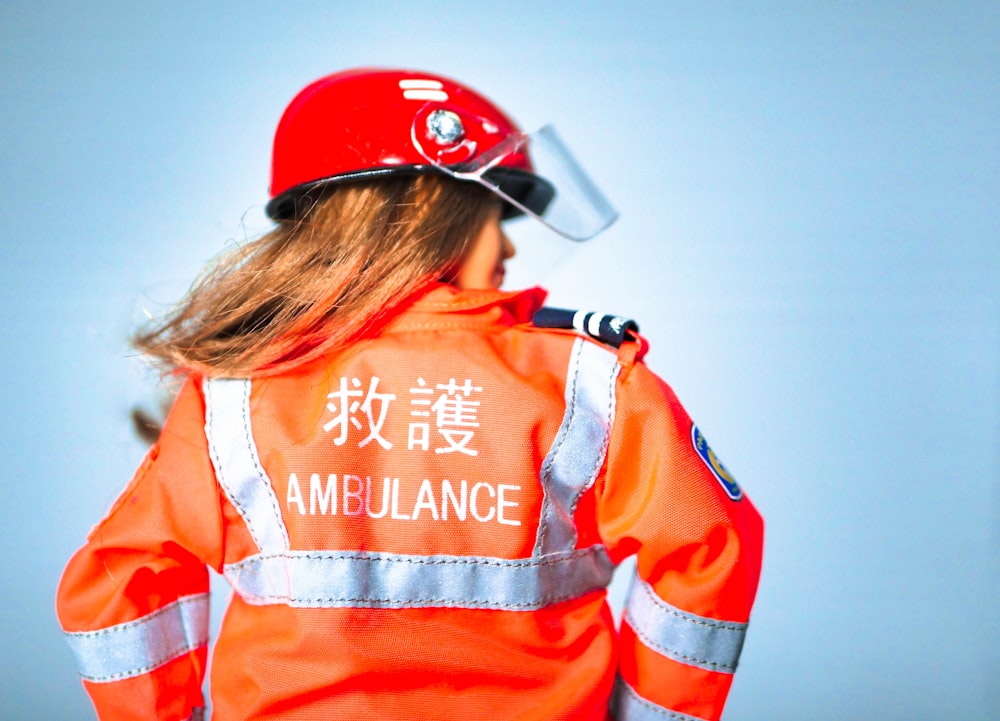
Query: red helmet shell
x,y
363,122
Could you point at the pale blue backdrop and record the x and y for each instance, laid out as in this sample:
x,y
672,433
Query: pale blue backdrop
x,y
810,236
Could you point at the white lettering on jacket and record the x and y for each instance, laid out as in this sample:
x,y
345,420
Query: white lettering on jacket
x,y
451,408
351,495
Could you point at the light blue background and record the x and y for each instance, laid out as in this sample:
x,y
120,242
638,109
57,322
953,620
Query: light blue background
x,y
810,236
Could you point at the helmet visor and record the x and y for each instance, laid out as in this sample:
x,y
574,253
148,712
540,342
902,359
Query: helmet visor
x,y
537,175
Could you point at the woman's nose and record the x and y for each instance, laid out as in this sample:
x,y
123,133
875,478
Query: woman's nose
x,y
507,249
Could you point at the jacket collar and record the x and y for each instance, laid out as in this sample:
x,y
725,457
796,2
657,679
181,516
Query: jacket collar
x,y
443,305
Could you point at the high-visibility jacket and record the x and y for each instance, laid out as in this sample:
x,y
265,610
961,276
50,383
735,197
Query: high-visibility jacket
x,y
422,526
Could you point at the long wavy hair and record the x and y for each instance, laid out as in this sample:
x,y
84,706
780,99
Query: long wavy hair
x,y
315,283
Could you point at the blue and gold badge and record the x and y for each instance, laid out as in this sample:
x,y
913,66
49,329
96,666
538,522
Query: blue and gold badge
x,y
721,473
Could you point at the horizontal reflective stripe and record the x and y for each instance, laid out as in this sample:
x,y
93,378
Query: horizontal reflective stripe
x,y
578,451
695,640
137,647
627,705
352,579
237,465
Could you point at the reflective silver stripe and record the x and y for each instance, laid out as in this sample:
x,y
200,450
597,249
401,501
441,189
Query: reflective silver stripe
x,y
627,705
237,465
355,579
576,456
695,640
137,647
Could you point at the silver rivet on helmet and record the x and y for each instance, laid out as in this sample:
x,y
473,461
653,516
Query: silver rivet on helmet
x,y
445,127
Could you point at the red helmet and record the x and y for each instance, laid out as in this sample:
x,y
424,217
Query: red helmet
x,y
370,122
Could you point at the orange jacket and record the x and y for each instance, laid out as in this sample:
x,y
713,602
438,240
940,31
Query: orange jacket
x,y
423,526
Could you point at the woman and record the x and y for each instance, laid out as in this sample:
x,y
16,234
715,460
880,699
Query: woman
x,y
417,493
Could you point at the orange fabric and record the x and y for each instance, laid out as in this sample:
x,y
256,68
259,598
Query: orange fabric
x,y
654,496
672,684
698,548
171,691
415,663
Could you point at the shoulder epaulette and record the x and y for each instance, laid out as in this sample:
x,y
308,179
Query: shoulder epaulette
x,y
610,329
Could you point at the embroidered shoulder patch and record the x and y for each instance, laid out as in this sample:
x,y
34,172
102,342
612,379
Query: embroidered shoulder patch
x,y
721,473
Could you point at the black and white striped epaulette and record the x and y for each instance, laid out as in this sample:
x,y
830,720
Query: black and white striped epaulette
x,y
610,329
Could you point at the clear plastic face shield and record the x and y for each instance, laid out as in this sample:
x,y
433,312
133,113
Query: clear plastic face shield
x,y
532,172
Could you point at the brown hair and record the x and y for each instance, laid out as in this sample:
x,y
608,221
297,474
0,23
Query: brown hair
x,y
316,283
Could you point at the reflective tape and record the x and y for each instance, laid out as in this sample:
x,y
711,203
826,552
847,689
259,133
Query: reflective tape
x,y
627,705
355,579
237,465
137,647
695,640
578,452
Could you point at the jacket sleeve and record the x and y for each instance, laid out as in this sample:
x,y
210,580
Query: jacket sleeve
x,y
133,602
698,543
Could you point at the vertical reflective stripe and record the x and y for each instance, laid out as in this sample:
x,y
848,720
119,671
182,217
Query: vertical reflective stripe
x,y
627,705
237,465
695,640
578,451
137,647
360,579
